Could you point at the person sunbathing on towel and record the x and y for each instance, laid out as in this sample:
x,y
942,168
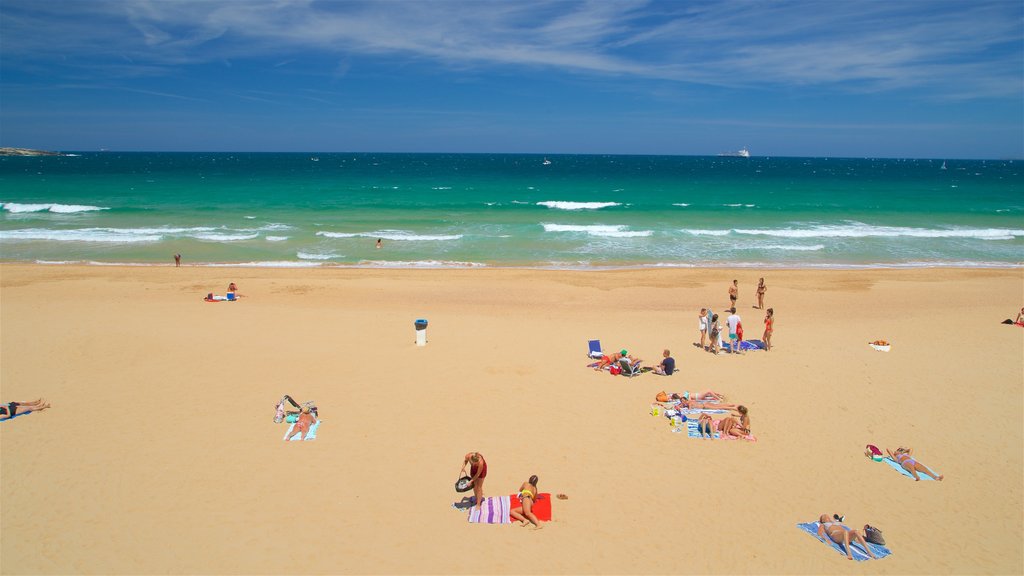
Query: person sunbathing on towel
x,y
527,498
12,409
704,405
835,531
609,359
303,424
904,457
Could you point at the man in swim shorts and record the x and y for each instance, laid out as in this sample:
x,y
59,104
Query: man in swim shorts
x,y
733,321
734,292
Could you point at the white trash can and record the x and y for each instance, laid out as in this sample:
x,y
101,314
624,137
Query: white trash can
x,y
421,331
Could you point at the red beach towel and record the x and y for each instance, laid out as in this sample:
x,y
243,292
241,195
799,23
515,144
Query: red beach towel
x,y
541,508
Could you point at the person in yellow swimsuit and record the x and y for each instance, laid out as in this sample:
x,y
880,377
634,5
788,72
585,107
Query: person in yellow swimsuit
x,y
527,496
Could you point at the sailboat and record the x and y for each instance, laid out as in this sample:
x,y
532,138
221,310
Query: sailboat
x,y
943,166
547,162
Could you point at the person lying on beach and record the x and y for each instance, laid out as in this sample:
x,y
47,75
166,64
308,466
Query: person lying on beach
x,y
477,474
609,359
834,530
527,497
690,404
12,409
303,424
904,457
709,396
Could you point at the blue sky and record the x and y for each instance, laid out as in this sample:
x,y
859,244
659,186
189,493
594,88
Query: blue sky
x,y
935,79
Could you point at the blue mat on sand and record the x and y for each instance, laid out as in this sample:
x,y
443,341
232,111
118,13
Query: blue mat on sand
x,y
18,415
310,436
745,346
893,464
691,430
858,553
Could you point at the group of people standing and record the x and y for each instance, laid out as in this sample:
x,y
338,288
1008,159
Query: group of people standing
x,y
710,328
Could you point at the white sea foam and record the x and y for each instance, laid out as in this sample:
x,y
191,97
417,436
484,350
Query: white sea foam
x,y
314,256
740,205
276,238
398,235
612,231
698,232
681,204
419,264
16,208
798,248
224,237
107,235
266,264
560,205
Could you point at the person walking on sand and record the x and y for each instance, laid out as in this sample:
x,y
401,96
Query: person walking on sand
x,y
177,260
734,292
835,531
303,424
769,320
733,321
761,288
527,498
12,409
904,457
477,474
702,325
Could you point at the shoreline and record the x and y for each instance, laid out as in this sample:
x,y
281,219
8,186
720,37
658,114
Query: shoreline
x,y
443,265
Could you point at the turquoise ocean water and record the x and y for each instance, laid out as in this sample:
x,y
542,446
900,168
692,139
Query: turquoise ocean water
x,y
456,210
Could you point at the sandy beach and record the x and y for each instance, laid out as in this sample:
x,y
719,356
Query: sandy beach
x,y
160,454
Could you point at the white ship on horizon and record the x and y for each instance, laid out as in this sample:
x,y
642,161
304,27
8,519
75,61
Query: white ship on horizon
x,y
741,153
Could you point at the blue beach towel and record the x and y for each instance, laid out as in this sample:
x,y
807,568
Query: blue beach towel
x,y
691,430
18,415
310,436
855,550
893,464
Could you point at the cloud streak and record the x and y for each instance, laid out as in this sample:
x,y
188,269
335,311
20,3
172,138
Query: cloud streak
x,y
954,50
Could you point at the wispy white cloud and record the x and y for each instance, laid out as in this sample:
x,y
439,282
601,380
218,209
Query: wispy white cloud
x,y
954,50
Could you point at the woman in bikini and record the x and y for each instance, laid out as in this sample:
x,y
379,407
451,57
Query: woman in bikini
x,y
527,497
477,474
835,531
704,405
728,426
12,409
769,320
904,457
305,421
761,288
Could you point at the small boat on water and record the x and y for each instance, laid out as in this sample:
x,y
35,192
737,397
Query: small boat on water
x,y
547,162
742,153
943,166
315,158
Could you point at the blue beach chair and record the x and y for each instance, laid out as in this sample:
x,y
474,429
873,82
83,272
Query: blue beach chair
x,y
595,349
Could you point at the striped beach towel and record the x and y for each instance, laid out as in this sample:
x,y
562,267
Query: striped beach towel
x,y
855,550
691,431
494,510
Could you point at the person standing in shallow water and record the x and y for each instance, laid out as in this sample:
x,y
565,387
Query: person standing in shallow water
x,y
380,243
177,260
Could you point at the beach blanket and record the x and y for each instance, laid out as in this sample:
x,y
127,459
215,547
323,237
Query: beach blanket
x,y
310,436
541,507
855,550
745,345
895,465
673,405
18,415
494,510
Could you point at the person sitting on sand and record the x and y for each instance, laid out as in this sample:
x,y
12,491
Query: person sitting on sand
x,y
667,366
834,530
904,457
527,498
303,424
12,409
477,474
728,426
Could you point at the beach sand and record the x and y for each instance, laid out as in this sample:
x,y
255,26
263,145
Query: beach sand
x,y
160,454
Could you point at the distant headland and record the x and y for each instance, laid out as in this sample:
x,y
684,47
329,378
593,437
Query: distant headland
x,y
27,152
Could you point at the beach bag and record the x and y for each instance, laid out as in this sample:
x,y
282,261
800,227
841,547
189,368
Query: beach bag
x,y
873,535
463,484
615,370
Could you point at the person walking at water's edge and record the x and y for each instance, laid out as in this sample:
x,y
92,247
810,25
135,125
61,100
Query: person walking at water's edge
x,y
177,260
